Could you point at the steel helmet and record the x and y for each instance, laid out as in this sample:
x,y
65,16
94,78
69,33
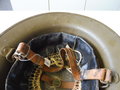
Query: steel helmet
x,y
59,51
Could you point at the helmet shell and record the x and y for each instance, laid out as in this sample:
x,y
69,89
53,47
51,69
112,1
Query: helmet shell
x,y
102,38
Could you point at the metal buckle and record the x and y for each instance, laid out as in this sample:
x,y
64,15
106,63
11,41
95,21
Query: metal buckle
x,y
115,79
80,57
104,84
19,56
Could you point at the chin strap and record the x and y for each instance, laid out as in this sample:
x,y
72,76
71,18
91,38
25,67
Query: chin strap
x,y
23,52
68,54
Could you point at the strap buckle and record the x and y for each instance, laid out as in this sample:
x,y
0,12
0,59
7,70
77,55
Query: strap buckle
x,y
115,79
21,52
104,84
19,56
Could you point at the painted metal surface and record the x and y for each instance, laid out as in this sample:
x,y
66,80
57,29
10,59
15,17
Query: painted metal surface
x,y
102,38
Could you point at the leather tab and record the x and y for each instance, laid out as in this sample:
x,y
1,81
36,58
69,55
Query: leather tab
x,y
23,48
108,77
102,74
93,74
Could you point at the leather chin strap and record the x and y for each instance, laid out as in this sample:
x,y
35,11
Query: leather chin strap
x,y
72,61
73,65
104,75
23,52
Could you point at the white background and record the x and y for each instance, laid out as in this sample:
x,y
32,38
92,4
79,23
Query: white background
x,y
109,18
59,5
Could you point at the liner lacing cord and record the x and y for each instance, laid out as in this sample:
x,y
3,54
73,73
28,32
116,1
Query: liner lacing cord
x,y
34,79
55,59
